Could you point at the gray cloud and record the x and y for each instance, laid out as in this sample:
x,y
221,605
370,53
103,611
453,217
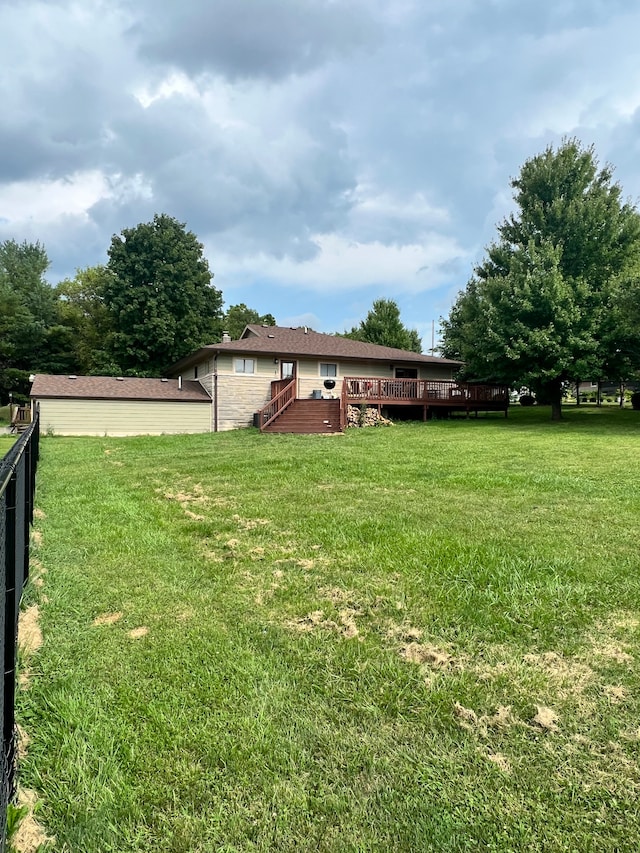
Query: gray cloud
x,y
264,40
287,136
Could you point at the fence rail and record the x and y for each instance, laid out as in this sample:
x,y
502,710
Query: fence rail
x,y
17,488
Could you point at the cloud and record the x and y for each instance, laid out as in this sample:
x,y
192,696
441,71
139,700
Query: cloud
x,y
323,150
269,40
341,265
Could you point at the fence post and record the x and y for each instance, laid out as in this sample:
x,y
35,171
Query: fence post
x,y
10,632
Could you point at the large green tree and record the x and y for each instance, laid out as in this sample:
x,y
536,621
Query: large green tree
x,y
82,311
28,316
383,326
237,317
159,296
540,308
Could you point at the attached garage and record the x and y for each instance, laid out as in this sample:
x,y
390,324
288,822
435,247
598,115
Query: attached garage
x,y
118,406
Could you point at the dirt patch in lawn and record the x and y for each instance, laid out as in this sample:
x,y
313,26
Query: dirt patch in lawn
x,y
432,656
615,693
545,718
570,676
500,760
483,724
107,618
29,632
610,650
137,633
30,836
609,639
343,597
345,626
250,523
187,497
23,741
405,633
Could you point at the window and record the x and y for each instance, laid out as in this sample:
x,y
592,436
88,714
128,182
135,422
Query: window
x,y
195,372
286,369
245,365
328,370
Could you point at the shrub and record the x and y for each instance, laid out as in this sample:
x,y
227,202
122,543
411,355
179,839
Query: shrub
x,y
635,401
527,400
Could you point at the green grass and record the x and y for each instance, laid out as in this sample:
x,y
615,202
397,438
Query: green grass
x,y
416,638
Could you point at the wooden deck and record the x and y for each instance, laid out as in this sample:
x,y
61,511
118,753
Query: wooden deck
x,y
285,412
430,395
20,419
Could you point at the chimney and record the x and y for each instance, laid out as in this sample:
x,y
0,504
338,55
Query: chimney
x,y
226,338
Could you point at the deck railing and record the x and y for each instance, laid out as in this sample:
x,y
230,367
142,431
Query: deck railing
x,y
423,392
20,418
277,404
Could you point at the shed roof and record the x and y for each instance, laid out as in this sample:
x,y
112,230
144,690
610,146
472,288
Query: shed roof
x,y
302,341
117,388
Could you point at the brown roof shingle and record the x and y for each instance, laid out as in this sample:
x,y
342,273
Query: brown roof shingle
x,y
300,341
117,388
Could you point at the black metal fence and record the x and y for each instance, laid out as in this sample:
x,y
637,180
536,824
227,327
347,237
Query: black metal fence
x,y
17,487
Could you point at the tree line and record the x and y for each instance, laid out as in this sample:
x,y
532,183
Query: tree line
x,y
556,300
150,305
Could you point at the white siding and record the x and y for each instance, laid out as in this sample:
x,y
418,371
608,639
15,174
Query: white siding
x,y
122,417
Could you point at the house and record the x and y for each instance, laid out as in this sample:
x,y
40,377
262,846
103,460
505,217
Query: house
x,y
595,391
280,379
297,380
99,405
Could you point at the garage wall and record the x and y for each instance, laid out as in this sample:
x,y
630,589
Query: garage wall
x,y
122,417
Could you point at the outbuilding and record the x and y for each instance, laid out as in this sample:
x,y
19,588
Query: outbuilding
x,y
120,405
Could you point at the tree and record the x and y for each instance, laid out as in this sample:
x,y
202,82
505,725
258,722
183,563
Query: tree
x,y
27,313
383,326
159,296
239,316
22,270
82,311
538,310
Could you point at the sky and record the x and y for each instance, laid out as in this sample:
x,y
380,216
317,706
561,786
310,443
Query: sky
x,y
326,153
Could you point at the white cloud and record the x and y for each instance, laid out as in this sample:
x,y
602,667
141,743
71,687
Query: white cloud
x,y
45,201
341,265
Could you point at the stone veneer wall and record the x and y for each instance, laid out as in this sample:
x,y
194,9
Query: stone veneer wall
x,y
239,397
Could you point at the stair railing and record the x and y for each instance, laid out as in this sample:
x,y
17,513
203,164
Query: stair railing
x,y
277,405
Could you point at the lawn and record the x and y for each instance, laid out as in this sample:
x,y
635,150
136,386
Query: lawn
x,y
418,638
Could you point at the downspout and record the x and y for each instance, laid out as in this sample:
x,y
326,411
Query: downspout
x,y
215,392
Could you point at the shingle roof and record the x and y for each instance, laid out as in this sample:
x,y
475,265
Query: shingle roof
x,y
121,388
300,341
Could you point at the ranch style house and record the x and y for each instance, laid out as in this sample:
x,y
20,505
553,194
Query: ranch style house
x,y
276,378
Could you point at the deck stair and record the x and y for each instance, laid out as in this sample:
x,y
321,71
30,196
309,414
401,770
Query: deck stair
x,y
308,416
